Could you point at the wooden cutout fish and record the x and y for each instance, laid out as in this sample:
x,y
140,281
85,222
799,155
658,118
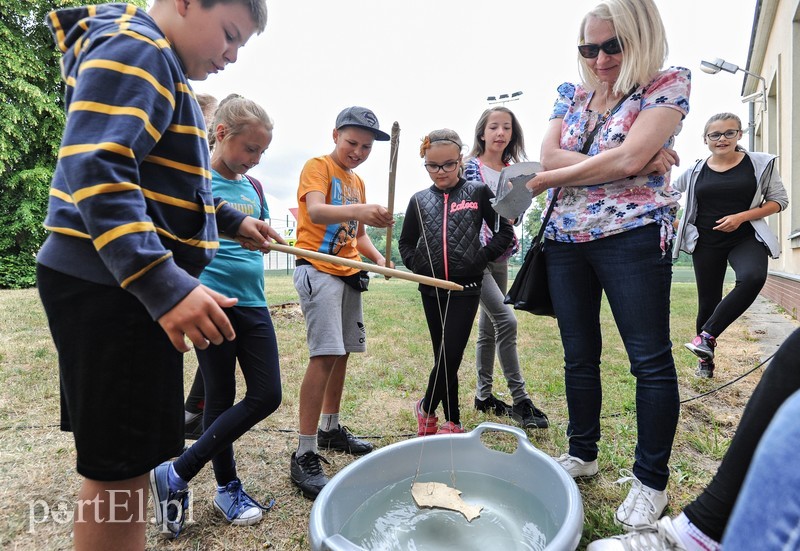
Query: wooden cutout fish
x,y
442,496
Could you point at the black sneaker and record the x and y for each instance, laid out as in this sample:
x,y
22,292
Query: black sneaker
x,y
307,473
341,439
493,405
702,347
705,370
193,429
529,416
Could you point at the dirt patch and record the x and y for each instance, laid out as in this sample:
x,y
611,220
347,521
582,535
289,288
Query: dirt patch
x,y
286,311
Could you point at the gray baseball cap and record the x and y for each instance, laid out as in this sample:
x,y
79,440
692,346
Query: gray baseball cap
x,y
363,118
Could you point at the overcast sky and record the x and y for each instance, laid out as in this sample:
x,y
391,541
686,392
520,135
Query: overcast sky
x,y
430,64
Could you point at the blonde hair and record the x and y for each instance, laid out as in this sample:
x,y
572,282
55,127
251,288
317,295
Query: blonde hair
x,y
638,26
236,113
441,135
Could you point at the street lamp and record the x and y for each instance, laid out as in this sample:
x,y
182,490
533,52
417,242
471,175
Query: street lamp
x,y
712,68
503,98
718,65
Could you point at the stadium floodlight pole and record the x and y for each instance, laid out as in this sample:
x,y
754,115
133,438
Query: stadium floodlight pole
x,y
503,98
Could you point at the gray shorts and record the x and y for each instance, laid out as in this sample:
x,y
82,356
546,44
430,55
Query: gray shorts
x,y
332,310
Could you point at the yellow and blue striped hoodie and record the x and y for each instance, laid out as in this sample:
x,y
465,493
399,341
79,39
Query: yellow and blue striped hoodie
x,y
130,203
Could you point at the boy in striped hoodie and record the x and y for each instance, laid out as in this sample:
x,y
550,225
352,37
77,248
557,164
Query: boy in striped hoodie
x,y
132,224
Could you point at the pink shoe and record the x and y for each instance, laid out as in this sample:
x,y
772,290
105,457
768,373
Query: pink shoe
x,y
702,347
425,425
450,428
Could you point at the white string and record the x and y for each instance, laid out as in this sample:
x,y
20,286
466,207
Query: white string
x,y
441,356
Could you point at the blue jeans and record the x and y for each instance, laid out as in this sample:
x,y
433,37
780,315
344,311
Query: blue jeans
x,y
636,276
767,511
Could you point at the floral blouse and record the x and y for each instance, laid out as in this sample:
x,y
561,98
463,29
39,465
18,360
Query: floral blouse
x,y
585,213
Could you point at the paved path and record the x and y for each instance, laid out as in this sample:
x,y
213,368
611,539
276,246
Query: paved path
x,y
769,325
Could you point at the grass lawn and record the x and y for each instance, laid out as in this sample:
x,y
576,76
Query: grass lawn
x,y
37,461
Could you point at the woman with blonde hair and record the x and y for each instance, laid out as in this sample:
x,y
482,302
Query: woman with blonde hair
x,y
608,149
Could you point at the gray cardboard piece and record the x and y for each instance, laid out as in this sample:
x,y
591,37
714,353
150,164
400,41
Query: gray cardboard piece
x,y
513,198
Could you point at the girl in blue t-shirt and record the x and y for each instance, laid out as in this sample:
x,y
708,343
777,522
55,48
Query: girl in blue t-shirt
x,y
242,132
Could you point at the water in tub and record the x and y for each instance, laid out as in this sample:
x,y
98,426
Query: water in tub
x,y
511,519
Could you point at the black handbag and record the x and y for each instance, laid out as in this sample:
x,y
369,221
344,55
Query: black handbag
x,y
530,291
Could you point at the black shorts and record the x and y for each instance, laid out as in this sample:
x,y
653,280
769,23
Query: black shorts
x,y
121,379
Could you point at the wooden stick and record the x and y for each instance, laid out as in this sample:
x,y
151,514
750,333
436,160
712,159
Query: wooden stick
x,y
392,175
391,272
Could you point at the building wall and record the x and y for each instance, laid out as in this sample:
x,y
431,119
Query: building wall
x,y
775,55
783,290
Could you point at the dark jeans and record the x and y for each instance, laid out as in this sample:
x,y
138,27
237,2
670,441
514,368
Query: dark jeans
x,y
448,348
749,261
712,509
635,275
256,348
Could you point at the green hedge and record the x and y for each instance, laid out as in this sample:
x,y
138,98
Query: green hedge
x,y
17,272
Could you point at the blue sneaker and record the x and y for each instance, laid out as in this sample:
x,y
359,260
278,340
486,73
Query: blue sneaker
x,y
239,508
170,506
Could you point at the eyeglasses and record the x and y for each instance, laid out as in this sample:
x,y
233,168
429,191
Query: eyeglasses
x,y
610,47
449,166
729,134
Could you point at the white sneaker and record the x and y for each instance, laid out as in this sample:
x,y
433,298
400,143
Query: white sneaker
x,y
642,507
661,537
577,468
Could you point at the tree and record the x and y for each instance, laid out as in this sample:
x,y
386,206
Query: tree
x,y
31,122
532,223
378,238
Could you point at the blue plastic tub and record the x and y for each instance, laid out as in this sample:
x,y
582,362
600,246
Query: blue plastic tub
x,y
531,479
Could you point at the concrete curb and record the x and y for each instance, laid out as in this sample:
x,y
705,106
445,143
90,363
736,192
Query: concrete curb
x,y
769,325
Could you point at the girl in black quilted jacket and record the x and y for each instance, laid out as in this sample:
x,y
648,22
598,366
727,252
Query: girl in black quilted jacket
x,y
441,238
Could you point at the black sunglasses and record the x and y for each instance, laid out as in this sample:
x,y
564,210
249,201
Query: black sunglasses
x,y
610,47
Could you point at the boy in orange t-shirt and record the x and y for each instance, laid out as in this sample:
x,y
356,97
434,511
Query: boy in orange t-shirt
x,y
331,219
